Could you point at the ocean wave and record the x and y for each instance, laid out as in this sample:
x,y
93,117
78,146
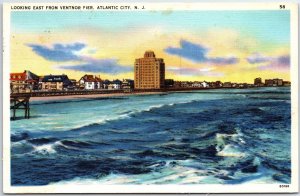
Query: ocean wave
x,y
160,140
45,149
43,140
19,137
127,114
167,173
229,145
230,151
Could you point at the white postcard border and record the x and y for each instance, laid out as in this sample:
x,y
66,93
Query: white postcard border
x,y
200,188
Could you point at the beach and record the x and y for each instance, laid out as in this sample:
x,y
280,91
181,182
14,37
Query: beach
x,y
68,97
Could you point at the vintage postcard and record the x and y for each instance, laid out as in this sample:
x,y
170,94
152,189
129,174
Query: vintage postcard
x,y
150,98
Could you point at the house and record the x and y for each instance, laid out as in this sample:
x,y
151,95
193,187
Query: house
x,y
278,82
169,83
286,83
269,82
127,84
204,84
258,82
218,84
23,82
115,84
235,85
186,84
243,85
90,82
227,85
106,83
56,82
177,84
40,84
196,84
75,84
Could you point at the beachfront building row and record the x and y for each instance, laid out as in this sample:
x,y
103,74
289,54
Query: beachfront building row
x,y
27,82
197,84
218,84
271,82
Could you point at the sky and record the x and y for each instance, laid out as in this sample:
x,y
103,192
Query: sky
x,y
235,46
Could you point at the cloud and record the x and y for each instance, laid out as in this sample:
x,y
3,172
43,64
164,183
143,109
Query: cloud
x,y
198,53
281,63
195,72
110,66
257,58
59,52
69,52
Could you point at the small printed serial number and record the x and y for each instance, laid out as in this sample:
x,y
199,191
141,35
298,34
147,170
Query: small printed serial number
x,y
284,186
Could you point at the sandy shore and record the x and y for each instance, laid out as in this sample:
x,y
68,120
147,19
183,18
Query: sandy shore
x,y
55,98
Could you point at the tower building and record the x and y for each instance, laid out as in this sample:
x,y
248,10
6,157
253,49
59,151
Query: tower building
x,y
149,72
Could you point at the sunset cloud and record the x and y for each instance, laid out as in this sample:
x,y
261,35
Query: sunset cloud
x,y
281,63
110,66
258,58
68,53
195,72
198,53
275,63
59,52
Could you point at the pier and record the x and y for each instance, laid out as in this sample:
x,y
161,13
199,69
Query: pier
x,y
20,103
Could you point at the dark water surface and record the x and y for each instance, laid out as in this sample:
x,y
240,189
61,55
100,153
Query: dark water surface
x,y
204,137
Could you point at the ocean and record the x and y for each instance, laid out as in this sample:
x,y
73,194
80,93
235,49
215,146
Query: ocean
x,y
221,136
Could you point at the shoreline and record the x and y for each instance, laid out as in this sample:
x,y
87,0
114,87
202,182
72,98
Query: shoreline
x,y
91,96
116,94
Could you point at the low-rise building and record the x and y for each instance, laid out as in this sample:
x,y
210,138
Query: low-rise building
x,y
216,84
242,85
115,84
106,83
56,82
269,82
186,84
227,85
23,82
204,84
169,83
286,83
127,84
236,85
274,82
278,82
75,84
90,82
177,84
196,84
258,82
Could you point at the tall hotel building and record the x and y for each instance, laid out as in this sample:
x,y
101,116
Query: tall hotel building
x,y
149,72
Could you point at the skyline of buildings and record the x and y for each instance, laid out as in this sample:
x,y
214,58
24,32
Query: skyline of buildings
x,y
27,81
149,73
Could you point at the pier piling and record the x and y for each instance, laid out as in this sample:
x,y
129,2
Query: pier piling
x,y
20,103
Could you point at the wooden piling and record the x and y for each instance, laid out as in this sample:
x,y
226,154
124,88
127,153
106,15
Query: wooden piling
x,y
20,103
